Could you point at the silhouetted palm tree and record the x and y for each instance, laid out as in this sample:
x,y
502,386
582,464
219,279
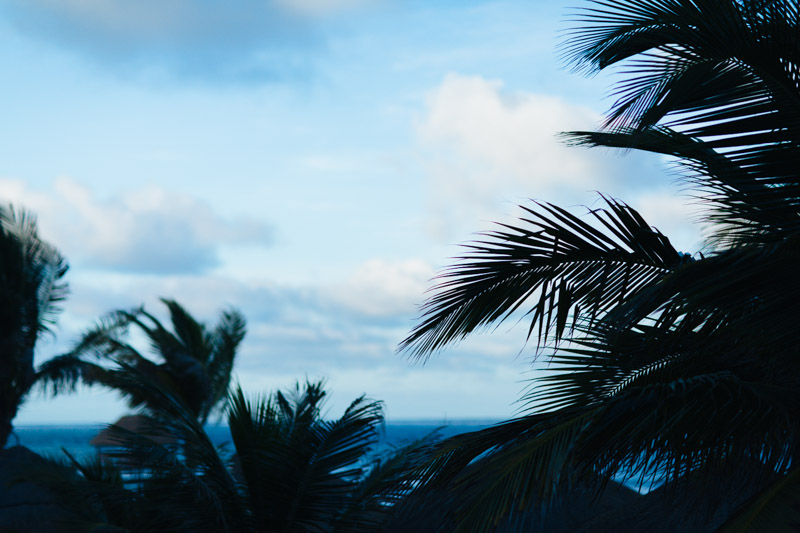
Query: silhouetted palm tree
x,y
290,469
31,286
676,368
193,362
305,473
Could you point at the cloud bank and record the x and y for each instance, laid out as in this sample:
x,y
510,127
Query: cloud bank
x,y
150,230
297,331
211,40
488,149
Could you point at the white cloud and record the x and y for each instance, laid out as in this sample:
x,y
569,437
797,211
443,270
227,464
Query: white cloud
x,y
379,288
512,133
676,216
346,331
147,231
245,40
488,148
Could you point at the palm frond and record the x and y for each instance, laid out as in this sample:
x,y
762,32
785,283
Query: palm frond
x,y
64,373
719,77
744,290
775,508
701,62
226,338
44,268
565,267
259,445
676,372
666,432
189,332
462,487
162,341
746,201
302,472
31,288
193,364
106,337
390,479
190,480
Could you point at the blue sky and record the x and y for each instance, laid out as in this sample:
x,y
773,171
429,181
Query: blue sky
x,y
311,162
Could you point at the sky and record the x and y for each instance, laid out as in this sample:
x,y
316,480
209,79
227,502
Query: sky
x,y
313,163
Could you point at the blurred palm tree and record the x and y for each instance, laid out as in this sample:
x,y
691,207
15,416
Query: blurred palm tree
x,y
192,362
666,367
290,469
305,473
31,287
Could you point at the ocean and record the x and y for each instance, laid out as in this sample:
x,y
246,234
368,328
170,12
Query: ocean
x,y
51,439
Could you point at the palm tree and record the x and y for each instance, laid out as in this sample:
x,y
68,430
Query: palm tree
x,y
666,368
290,470
31,287
194,362
305,473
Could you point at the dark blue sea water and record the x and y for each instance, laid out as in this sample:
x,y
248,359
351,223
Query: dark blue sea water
x,y
49,440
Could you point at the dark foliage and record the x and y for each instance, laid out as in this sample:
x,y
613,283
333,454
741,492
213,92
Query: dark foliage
x,y
193,362
290,469
31,288
676,370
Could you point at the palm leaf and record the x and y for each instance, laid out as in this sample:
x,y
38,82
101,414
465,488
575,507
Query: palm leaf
x,y
226,338
686,375
188,331
721,78
44,269
561,265
701,62
195,365
775,508
379,494
747,201
190,483
301,472
31,288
